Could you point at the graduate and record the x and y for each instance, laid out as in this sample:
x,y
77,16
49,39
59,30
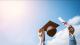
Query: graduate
x,y
51,30
72,40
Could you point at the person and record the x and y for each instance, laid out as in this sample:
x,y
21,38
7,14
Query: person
x,y
50,28
41,34
72,40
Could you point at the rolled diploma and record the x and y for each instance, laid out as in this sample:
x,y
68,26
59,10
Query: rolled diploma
x,y
64,22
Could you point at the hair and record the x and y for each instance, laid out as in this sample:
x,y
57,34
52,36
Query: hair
x,y
71,29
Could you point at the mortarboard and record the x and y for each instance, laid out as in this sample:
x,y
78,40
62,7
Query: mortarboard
x,y
50,28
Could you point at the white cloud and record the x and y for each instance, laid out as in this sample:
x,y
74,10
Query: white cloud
x,y
75,20
61,38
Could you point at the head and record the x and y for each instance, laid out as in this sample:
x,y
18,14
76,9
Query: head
x,y
50,28
51,31
71,30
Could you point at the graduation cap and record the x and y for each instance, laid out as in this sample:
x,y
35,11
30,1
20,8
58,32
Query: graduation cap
x,y
50,28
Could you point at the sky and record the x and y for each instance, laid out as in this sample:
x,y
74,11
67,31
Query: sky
x,y
62,37
20,20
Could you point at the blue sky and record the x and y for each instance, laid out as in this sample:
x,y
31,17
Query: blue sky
x,y
55,9
20,20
